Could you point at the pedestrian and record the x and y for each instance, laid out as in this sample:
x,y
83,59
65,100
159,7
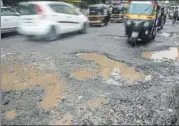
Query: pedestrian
x,y
175,16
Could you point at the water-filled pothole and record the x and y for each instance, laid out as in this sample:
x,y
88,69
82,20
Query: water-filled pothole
x,y
107,66
21,77
170,54
84,74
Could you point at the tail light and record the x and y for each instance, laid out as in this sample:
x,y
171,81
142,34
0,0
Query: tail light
x,y
39,10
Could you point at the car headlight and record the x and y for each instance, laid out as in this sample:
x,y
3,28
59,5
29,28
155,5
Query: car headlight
x,y
146,24
128,22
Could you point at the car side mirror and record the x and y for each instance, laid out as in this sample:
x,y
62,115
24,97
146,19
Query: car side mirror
x,y
16,14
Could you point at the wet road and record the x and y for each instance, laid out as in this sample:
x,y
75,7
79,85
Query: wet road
x,y
95,78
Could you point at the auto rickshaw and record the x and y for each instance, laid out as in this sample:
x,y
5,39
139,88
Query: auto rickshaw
x,y
117,14
98,14
141,21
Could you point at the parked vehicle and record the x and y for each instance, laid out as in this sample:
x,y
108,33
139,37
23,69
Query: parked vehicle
x,y
141,21
98,14
9,20
48,20
118,14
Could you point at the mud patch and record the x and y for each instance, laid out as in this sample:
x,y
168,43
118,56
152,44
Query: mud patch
x,y
10,114
21,77
96,103
65,120
108,66
84,74
170,54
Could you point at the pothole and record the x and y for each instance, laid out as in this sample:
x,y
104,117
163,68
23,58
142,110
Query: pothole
x,y
171,54
84,74
10,114
107,66
21,77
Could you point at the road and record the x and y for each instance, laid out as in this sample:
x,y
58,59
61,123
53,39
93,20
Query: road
x,y
93,78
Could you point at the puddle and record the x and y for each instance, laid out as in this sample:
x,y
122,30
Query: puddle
x,y
21,77
170,54
65,120
107,66
10,114
84,73
96,103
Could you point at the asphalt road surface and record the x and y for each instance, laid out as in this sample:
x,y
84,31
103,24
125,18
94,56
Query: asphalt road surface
x,y
93,78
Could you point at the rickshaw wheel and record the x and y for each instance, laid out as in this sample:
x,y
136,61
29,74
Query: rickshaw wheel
x,y
132,41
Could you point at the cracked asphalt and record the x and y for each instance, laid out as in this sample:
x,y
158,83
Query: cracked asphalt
x,y
93,78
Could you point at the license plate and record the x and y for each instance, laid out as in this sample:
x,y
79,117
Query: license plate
x,y
135,34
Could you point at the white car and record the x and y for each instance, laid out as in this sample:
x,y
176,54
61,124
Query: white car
x,y
9,20
48,20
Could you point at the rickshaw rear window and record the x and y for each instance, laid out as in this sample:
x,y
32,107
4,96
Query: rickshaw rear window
x,y
141,8
95,10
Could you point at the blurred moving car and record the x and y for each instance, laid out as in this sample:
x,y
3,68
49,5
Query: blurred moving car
x,y
9,20
48,20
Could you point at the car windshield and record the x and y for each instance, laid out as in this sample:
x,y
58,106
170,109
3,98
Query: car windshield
x,y
141,8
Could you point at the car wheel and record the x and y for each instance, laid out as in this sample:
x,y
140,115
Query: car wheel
x,y
84,29
51,35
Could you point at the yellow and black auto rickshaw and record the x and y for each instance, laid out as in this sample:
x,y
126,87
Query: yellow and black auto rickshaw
x,y
141,21
98,14
117,14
